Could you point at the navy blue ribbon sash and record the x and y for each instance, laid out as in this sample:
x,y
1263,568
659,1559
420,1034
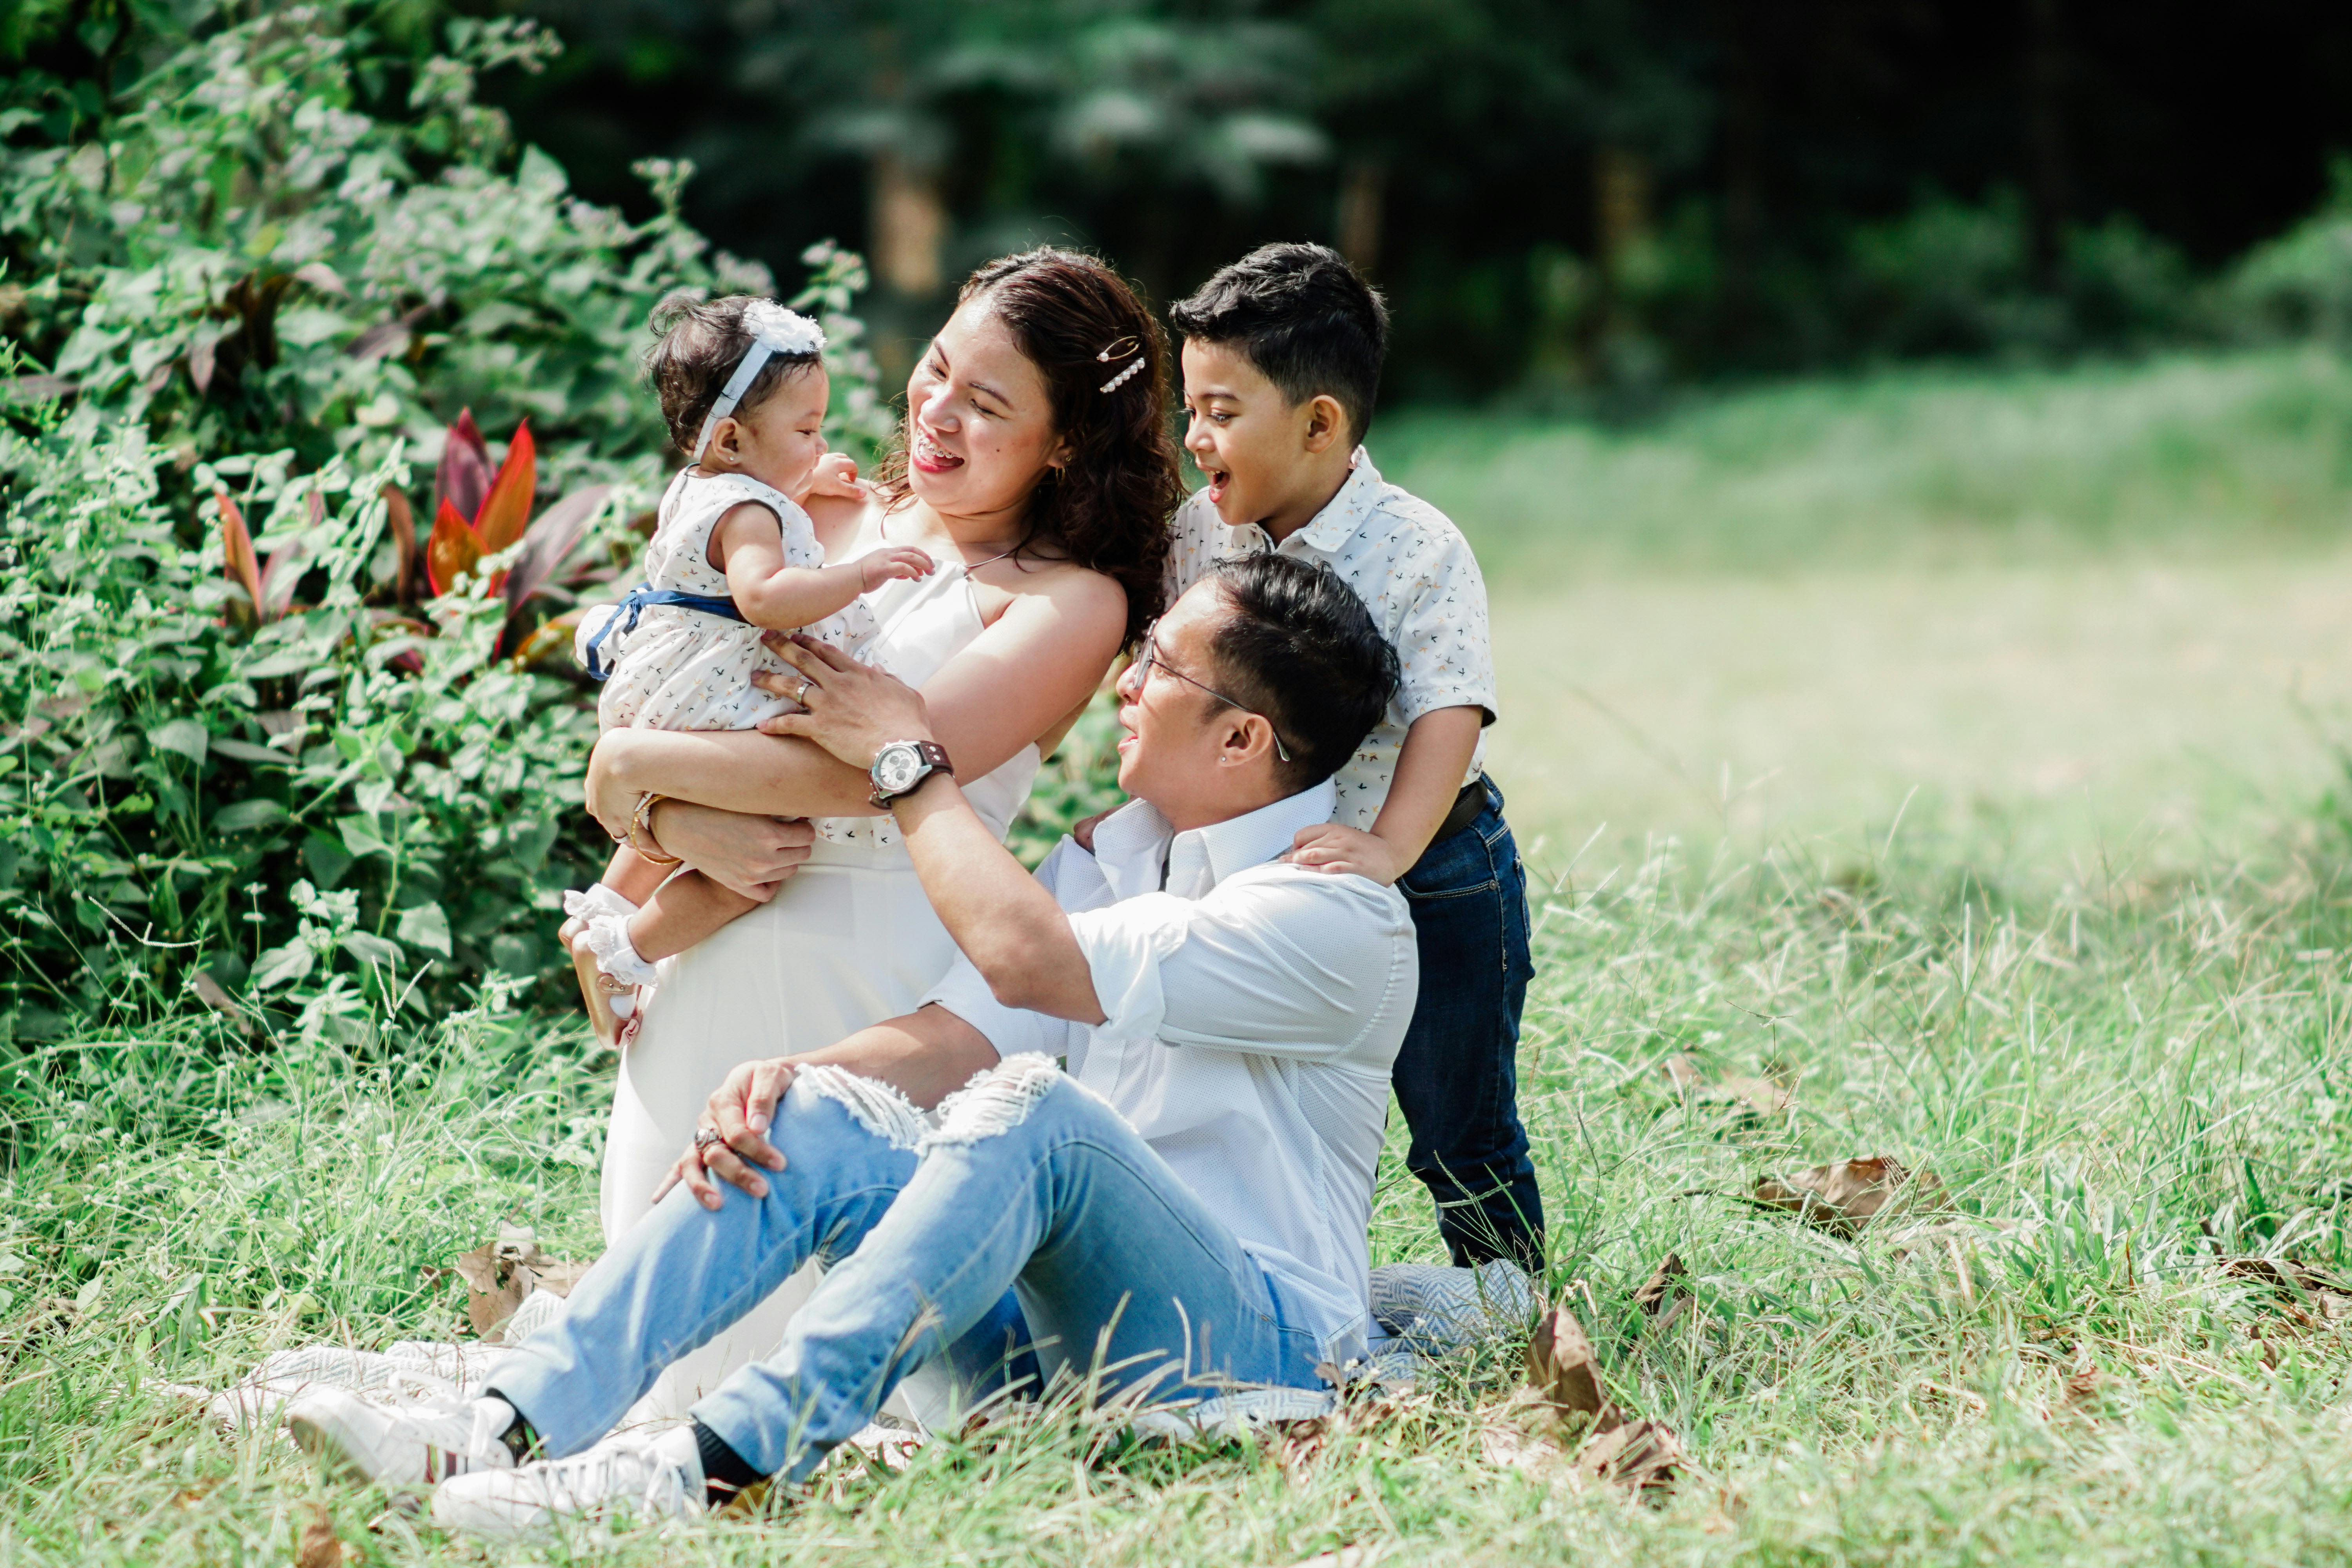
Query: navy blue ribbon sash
x,y
623,618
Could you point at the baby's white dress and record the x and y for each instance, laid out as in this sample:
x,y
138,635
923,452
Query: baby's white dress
x,y
681,669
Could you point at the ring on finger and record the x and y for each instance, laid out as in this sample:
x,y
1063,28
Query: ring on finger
x,y
704,1137
800,696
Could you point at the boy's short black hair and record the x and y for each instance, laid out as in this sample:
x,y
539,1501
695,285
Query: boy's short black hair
x,y
1304,317
1299,648
700,344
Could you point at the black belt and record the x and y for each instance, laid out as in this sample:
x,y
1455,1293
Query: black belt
x,y
1467,808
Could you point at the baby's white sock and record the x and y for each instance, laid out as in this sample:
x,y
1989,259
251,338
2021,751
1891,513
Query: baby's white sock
x,y
608,915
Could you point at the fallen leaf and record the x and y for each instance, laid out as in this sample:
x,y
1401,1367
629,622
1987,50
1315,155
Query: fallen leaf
x,y
1664,1296
1643,1456
1514,1450
2087,1388
1841,1198
499,1274
1753,1099
1562,1368
214,994
319,1547
2308,1297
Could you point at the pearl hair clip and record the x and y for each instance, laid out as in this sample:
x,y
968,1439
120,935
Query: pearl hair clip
x,y
1119,349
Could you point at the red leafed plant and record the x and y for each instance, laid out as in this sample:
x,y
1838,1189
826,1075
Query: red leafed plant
x,y
269,590
479,512
476,513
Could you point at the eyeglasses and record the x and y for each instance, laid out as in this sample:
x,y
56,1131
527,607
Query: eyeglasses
x,y
1148,658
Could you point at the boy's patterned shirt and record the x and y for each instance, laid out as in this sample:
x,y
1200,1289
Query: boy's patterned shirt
x,y
1413,569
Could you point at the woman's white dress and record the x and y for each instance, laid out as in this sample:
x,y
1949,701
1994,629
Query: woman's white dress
x,y
849,941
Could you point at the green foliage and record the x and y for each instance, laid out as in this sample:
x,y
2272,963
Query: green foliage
x,y
264,277
1079,780
2300,284
175,770
286,238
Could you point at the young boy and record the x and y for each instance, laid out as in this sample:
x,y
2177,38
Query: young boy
x,y
1282,365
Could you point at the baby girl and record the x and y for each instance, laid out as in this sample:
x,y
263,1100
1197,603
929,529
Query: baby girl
x,y
743,389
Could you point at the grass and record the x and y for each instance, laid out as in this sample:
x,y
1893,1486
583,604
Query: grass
x,y
2069,617
2200,455
2123,1065
2150,1075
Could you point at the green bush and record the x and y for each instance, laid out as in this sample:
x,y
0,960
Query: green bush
x,y
2300,284
265,280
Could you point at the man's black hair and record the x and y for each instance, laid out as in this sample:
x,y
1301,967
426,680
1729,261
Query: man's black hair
x,y
1297,646
1305,318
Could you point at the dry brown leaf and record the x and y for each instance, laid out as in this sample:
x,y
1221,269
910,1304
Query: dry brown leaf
x,y
1750,1098
1841,1198
1298,1444
214,994
1643,1456
1562,1368
1514,1450
2087,1390
2305,1296
319,1547
1664,1296
499,1274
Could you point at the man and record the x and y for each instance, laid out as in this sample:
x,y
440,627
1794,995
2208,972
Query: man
x,y
1184,1208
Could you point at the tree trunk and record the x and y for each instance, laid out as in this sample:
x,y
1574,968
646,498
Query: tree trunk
x,y
1744,115
1363,196
1621,206
910,226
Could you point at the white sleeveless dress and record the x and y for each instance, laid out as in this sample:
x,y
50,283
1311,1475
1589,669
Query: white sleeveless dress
x,y
849,941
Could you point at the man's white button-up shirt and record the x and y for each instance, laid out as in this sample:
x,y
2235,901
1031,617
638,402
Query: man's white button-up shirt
x,y
1413,571
1253,1011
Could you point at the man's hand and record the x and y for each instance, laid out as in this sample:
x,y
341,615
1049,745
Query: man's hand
x,y
752,855
740,1112
835,474
1328,846
852,711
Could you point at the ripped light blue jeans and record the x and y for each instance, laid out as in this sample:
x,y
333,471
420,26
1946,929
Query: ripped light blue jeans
x,y
1032,1233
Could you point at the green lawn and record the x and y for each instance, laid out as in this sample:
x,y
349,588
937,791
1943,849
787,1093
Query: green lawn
x,y
2124,1065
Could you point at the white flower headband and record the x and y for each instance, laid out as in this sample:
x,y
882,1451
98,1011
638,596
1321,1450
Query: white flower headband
x,y
774,331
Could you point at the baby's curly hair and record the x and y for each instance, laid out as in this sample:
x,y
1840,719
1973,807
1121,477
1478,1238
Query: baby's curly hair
x,y
701,344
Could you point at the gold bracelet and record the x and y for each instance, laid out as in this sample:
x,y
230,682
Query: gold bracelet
x,y
641,832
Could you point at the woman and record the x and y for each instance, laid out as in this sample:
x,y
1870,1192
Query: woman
x,y
1036,467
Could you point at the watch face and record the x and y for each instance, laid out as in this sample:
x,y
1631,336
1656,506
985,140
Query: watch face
x,y
896,766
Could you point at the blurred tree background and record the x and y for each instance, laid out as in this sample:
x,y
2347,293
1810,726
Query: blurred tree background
x,y
1564,197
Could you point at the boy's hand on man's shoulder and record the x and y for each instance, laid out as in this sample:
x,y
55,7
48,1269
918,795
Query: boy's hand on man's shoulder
x,y
1346,851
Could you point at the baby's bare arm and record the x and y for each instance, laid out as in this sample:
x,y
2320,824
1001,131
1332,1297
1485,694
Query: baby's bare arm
x,y
749,547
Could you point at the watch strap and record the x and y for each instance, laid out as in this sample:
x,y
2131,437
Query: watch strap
x,y
933,758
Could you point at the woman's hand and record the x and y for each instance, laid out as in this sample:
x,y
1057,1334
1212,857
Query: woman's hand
x,y
854,711
730,1140
752,855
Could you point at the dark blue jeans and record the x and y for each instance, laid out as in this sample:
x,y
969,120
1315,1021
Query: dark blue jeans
x,y
1457,1075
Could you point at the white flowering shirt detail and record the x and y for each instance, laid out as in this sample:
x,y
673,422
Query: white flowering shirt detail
x,y
1417,576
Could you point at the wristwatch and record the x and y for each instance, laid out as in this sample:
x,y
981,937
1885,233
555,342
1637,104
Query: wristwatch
x,y
902,765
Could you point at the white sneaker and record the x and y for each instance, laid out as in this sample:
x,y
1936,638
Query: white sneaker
x,y
411,1446
651,1478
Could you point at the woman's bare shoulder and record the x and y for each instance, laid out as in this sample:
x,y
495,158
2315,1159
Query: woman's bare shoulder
x,y
1069,589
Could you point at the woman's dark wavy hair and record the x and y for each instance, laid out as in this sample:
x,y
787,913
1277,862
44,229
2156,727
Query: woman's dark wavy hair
x,y
1109,509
